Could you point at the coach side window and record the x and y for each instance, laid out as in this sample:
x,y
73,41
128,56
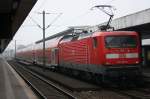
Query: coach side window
x,y
95,42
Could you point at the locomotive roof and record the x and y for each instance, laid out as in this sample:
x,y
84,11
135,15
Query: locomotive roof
x,y
104,33
70,31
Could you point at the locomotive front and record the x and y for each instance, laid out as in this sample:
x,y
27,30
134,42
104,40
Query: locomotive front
x,y
122,54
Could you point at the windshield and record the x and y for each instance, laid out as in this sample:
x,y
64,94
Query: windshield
x,y
120,41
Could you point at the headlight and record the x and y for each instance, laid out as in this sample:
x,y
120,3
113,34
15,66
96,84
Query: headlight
x,y
132,55
127,55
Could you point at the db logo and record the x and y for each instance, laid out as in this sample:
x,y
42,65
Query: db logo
x,y
122,55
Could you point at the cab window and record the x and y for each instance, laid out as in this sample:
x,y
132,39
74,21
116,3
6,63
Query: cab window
x,y
120,41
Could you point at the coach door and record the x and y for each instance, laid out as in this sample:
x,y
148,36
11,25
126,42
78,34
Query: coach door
x,y
54,56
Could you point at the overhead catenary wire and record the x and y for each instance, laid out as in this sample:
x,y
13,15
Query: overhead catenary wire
x,y
76,18
73,19
64,24
35,22
89,11
54,20
86,13
38,27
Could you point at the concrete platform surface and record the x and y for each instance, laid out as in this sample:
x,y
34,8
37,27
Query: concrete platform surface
x,y
12,86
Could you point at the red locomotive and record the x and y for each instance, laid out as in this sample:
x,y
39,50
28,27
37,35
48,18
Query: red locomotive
x,y
99,54
95,55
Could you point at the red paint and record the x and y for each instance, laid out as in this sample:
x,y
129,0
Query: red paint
x,y
82,51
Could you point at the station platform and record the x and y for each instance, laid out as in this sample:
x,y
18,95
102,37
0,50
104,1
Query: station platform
x,y
12,86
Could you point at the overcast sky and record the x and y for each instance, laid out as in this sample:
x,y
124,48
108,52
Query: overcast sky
x,y
74,13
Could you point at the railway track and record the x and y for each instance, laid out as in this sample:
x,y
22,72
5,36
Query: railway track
x,y
68,82
111,93
44,88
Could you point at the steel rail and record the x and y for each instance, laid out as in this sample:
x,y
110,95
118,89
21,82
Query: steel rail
x,y
46,81
38,92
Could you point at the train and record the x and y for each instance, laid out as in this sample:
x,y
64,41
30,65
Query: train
x,y
99,55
